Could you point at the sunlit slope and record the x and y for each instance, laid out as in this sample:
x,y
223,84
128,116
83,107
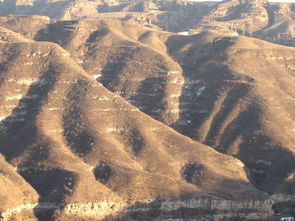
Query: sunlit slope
x,y
129,60
169,15
233,93
25,25
56,9
245,17
87,152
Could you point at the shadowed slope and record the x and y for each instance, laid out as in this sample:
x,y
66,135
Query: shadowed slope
x,y
17,197
245,102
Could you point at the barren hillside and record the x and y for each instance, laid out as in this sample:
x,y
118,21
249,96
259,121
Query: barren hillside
x,y
83,148
105,115
169,15
232,93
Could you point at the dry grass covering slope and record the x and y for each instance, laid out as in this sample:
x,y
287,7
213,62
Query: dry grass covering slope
x,y
65,9
87,152
233,93
245,107
25,25
169,15
130,60
242,16
15,191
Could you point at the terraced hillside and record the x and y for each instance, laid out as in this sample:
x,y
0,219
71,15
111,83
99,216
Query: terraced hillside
x,y
266,20
27,26
233,93
271,21
129,60
54,9
105,116
88,153
280,27
244,103
242,16
171,15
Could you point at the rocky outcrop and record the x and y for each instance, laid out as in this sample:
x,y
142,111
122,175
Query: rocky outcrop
x,y
204,208
97,210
